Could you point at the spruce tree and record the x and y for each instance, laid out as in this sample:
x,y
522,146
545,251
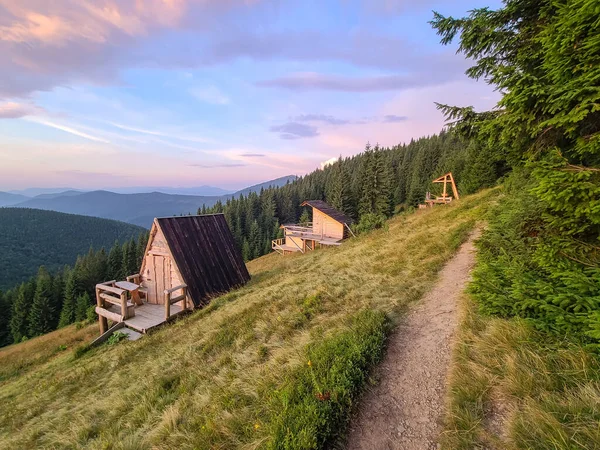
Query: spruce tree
x,y
83,304
381,183
376,187
254,240
101,267
334,188
58,289
19,321
42,310
366,183
544,57
304,217
6,302
115,262
246,251
141,248
67,314
347,200
129,258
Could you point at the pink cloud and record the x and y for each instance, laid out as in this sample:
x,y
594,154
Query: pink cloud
x,y
45,43
55,23
13,110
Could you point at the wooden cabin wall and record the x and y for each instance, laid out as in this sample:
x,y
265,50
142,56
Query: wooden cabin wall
x,y
156,269
159,271
326,226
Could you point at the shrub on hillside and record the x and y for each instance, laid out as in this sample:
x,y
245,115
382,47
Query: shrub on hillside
x,y
369,222
520,273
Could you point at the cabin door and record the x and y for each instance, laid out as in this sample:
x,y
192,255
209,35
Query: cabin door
x,y
161,279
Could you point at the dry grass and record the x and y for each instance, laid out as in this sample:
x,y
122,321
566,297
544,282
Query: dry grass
x,y
515,388
208,380
16,360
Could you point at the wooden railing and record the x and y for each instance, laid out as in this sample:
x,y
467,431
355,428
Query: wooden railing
x,y
169,300
108,293
277,243
300,229
134,278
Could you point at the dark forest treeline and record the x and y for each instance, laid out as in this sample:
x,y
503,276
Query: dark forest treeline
x,y
372,184
30,238
52,300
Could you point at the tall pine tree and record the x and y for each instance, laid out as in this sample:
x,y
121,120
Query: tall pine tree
x,y
83,304
67,314
115,262
6,301
41,316
19,321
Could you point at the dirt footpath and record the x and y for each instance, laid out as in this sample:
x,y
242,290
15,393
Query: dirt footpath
x,y
404,410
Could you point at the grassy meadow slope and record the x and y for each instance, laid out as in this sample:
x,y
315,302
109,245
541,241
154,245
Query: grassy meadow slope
x,y
275,364
512,387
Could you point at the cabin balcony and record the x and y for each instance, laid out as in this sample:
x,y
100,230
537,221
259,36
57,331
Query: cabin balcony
x,y
300,230
127,302
302,238
308,232
282,247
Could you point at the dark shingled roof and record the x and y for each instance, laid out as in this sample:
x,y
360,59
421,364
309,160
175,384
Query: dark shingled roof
x,y
206,255
329,210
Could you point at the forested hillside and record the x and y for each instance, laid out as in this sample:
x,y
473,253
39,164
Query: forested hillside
x,y
368,187
30,238
54,299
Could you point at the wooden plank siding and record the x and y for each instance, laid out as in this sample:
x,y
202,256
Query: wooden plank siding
x,y
326,226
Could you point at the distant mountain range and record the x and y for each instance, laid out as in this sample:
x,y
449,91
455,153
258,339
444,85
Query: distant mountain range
x,y
8,199
135,208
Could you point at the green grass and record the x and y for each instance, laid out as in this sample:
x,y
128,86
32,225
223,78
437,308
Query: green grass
x,y
315,400
236,374
513,387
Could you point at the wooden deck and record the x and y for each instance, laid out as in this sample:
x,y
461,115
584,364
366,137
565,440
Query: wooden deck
x,y
310,236
147,316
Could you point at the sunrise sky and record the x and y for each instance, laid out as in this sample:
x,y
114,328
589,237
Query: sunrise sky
x,y
100,94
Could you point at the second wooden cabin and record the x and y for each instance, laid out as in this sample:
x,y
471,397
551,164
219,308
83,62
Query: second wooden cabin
x,y
329,227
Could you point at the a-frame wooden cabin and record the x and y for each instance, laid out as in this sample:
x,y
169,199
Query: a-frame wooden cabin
x,y
188,261
329,227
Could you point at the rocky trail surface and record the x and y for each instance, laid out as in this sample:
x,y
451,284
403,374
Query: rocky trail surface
x,y
404,410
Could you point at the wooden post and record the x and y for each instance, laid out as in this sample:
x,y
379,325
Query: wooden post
x,y
445,181
454,190
124,304
184,298
101,320
167,305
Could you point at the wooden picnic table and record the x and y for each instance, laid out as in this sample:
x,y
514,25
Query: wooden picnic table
x,y
133,289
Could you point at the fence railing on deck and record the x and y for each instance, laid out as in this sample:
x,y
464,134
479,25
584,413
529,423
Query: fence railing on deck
x,y
108,293
277,243
169,299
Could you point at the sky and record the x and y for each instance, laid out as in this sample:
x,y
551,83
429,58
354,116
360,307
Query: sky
x,y
115,93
